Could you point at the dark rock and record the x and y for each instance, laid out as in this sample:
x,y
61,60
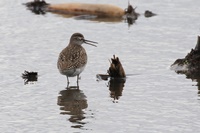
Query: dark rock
x,y
192,61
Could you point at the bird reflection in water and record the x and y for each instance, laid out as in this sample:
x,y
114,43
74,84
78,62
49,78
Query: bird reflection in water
x,y
116,87
72,102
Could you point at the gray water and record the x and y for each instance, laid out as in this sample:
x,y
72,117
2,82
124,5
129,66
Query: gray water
x,y
154,99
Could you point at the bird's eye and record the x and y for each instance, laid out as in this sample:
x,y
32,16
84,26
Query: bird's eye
x,y
78,39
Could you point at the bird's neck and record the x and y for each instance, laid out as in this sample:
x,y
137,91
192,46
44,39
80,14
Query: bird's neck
x,y
74,45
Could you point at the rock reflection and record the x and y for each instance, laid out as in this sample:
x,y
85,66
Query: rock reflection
x,y
190,65
116,87
72,102
198,84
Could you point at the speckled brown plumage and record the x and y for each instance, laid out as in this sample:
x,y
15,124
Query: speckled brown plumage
x,y
73,56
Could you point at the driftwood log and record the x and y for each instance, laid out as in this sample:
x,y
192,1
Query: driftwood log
x,y
99,10
96,12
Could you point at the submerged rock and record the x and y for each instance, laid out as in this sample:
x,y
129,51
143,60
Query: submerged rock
x,y
190,65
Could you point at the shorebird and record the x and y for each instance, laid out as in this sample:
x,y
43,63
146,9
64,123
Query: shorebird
x,y
73,59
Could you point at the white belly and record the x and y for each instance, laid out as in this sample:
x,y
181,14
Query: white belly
x,y
72,72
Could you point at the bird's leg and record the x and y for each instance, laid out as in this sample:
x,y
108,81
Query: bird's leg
x,y
67,82
77,82
79,77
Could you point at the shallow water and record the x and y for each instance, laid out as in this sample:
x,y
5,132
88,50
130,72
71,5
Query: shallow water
x,y
153,98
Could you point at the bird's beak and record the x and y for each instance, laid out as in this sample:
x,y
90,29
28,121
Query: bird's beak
x,y
90,42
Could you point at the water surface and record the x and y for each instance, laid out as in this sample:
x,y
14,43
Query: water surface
x,y
153,98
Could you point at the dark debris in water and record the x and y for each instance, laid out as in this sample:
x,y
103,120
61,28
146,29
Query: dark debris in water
x,y
192,61
131,15
130,12
117,81
148,14
37,6
117,77
29,77
116,69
